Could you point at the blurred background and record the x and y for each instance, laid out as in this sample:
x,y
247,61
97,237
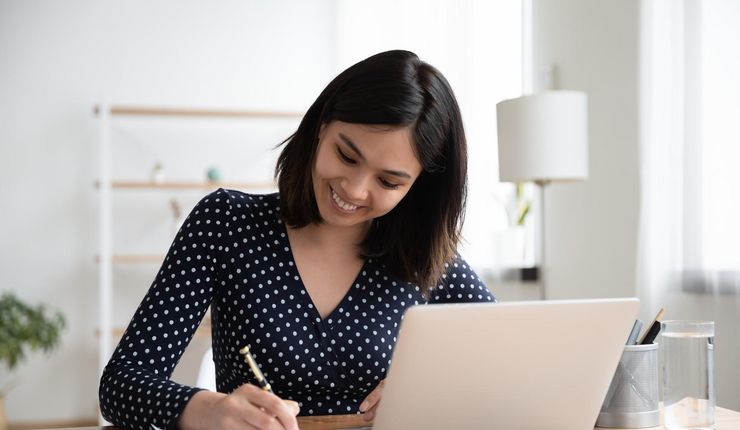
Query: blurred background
x,y
656,217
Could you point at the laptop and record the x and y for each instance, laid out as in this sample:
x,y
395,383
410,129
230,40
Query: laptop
x,y
518,365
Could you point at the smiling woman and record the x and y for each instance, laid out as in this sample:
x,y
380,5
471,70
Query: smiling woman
x,y
406,100
316,278
364,175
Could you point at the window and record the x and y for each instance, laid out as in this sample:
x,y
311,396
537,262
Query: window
x,y
690,147
719,135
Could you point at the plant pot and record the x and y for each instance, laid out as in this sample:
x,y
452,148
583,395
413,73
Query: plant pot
x,y
509,247
3,418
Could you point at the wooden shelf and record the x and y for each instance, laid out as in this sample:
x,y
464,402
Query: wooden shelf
x,y
107,184
202,113
134,258
144,185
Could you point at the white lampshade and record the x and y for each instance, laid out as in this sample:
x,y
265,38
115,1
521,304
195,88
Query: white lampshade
x,y
543,137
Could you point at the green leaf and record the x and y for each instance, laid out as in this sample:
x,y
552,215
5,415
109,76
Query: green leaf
x,y
24,328
523,212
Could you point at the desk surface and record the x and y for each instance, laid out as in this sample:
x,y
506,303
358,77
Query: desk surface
x,y
725,420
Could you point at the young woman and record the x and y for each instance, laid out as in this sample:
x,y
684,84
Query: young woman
x,y
314,279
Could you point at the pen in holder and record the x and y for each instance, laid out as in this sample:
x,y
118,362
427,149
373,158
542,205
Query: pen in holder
x,y
632,399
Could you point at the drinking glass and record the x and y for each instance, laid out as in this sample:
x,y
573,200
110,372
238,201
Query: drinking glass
x,y
687,348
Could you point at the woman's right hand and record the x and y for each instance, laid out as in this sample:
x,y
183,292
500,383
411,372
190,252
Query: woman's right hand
x,y
248,407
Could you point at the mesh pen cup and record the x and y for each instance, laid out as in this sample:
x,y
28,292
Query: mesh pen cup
x,y
633,395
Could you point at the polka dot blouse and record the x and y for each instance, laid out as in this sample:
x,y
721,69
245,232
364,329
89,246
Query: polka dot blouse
x,y
233,254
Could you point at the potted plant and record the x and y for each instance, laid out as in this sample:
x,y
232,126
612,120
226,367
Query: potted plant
x,y
515,238
24,328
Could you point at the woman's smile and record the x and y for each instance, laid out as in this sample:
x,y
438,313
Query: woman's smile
x,y
341,204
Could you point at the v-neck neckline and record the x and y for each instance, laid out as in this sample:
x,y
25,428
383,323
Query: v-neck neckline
x,y
304,291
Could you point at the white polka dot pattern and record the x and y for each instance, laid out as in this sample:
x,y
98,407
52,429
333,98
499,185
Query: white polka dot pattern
x,y
233,254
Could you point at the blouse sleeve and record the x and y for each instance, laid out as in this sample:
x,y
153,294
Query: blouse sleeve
x,y
460,284
135,389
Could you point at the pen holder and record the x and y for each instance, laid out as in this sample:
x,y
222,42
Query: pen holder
x,y
632,398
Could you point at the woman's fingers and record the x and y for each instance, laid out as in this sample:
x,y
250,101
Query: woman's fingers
x,y
293,406
262,420
370,404
247,408
266,411
373,397
370,414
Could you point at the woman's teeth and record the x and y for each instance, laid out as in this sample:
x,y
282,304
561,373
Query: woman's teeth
x,y
341,203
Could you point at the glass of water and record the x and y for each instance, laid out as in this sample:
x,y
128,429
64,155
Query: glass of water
x,y
687,348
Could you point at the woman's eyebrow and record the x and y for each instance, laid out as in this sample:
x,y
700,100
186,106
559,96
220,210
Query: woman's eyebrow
x,y
347,141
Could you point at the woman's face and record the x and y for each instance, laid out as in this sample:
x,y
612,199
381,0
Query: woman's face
x,y
362,171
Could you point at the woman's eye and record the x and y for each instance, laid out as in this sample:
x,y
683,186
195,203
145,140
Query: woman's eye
x,y
389,185
344,157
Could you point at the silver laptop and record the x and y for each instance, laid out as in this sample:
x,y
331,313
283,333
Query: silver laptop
x,y
519,365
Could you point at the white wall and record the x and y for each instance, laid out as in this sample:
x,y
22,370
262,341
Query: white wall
x,y
56,60
592,226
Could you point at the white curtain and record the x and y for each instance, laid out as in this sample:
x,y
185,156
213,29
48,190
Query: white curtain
x,y
690,149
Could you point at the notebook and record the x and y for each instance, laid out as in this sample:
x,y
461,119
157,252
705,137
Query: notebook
x,y
518,365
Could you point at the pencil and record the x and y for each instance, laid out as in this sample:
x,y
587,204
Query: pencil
x,y
652,331
255,369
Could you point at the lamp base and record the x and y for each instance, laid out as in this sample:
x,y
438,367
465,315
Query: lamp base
x,y
529,274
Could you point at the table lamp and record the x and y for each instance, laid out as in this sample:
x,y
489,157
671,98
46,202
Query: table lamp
x,y
543,138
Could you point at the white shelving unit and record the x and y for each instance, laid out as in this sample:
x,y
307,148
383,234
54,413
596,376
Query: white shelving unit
x,y
107,258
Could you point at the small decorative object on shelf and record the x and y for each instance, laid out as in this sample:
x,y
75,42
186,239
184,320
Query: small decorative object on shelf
x,y
214,174
157,174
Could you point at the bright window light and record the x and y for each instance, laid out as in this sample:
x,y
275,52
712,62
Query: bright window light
x,y
720,134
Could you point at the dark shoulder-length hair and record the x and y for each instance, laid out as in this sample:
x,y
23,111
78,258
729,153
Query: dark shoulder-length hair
x,y
396,89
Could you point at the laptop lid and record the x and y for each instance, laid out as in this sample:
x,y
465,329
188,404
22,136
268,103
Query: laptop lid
x,y
517,365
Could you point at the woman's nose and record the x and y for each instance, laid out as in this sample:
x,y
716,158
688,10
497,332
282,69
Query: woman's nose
x,y
356,186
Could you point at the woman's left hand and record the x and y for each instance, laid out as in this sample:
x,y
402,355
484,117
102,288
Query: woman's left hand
x,y
371,402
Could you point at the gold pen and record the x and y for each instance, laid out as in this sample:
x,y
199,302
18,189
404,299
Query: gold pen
x,y
255,369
